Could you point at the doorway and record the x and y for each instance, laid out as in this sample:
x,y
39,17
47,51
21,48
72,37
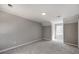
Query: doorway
x,y
59,32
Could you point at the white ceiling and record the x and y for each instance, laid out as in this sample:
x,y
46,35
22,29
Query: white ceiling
x,y
33,11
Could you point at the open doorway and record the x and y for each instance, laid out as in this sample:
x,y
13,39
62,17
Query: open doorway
x,y
59,32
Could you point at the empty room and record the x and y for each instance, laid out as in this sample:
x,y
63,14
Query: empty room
x,y
39,28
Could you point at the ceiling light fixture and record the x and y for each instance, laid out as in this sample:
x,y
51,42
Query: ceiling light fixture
x,y
43,13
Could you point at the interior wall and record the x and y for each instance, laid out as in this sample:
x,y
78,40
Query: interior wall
x,y
71,33
15,30
47,33
78,33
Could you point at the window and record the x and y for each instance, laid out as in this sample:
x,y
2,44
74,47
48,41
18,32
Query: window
x,y
59,31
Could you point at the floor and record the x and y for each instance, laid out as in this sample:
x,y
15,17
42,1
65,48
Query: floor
x,y
44,47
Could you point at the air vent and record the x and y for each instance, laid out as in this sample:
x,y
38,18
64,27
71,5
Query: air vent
x,y
58,16
10,5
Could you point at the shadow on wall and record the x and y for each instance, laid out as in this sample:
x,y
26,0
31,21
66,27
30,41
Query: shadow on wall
x,y
47,32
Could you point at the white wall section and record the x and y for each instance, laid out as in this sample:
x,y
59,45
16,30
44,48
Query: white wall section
x,y
15,30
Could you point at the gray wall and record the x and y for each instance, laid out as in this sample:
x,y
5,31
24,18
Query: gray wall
x,y
15,30
71,33
47,34
78,33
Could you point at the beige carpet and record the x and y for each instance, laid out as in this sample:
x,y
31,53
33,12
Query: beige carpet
x,y
44,47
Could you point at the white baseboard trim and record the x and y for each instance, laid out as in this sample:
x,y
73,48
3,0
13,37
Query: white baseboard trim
x,y
71,44
18,46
